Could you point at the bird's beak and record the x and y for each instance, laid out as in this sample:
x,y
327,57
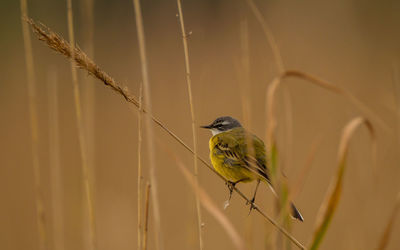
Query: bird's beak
x,y
207,126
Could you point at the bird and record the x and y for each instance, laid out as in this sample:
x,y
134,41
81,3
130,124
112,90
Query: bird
x,y
233,158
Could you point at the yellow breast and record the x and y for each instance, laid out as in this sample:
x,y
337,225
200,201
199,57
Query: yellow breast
x,y
232,170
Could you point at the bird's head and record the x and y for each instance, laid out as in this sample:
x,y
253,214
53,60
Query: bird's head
x,y
222,124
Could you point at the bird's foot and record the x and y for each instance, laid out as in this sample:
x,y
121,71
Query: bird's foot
x,y
252,206
231,186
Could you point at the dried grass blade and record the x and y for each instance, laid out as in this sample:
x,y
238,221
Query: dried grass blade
x,y
332,198
271,93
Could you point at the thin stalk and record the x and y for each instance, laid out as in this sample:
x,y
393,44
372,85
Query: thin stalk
x,y
58,44
81,134
140,174
149,124
31,82
286,158
88,94
245,67
55,163
189,85
146,216
88,91
244,87
268,34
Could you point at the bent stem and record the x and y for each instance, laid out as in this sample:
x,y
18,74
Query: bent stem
x,y
276,82
333,195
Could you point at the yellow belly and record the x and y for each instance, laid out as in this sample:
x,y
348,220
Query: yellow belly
x,y
231,172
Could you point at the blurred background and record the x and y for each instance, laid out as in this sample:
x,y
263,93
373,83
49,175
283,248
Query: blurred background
x,y
351,43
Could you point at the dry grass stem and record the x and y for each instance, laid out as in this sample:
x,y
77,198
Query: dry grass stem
x,y
281,69
88,91
58,44
389,226
268,34
333,195
271,93
140,174
31,82
244,84
288,153
348,133
146,216
286,159
81,135
149,125
189,86
243,68
55,163
210,206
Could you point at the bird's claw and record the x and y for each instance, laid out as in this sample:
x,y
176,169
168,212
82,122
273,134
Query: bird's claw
x,y
252,206
231,186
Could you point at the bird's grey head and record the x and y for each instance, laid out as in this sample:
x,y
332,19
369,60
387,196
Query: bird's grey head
x,y
222,124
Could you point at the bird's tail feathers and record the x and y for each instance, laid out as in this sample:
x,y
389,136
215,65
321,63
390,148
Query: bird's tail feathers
x,y
294,212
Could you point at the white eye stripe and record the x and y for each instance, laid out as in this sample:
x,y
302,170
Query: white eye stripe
x,y
225,123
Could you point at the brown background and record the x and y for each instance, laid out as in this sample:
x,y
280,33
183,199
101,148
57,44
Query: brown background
x,y
353,44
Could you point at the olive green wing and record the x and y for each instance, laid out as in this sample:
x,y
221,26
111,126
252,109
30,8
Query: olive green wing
x,y
229,145
260,156
233,145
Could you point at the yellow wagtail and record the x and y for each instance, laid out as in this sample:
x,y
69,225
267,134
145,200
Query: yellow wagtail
x,y
234,160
